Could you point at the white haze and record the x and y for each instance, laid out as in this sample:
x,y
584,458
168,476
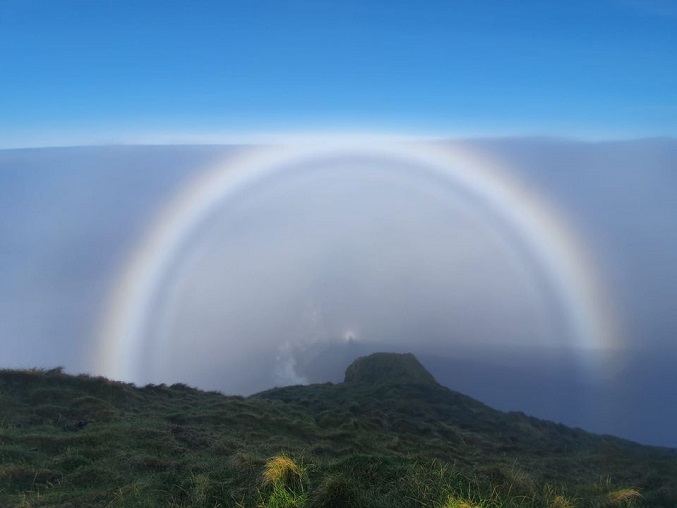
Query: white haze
x,y
290,281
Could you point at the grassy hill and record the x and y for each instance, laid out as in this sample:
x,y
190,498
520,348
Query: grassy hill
x,y
389,436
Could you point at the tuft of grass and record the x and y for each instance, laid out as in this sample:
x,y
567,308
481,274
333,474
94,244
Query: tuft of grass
x,y
560,502
454,502
287,480
282,471
623,497
283,498
200,488
335,492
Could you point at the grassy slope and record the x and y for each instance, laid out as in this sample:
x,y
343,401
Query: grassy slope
x,y
383,444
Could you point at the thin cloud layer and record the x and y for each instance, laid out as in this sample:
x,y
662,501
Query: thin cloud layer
x,y
291,280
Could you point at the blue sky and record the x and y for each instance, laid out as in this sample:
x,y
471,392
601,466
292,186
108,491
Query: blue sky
x,y
103,71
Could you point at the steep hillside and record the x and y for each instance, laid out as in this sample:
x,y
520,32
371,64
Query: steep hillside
x,y
390,436
425,418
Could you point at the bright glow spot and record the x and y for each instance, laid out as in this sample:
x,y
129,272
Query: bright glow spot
x,y
349,336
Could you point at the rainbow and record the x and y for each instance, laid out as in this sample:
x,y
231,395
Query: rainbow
x,y
548,237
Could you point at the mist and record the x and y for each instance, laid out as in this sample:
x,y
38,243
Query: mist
x,y
289,280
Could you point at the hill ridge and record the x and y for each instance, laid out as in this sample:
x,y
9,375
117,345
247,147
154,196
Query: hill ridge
x,y
79,440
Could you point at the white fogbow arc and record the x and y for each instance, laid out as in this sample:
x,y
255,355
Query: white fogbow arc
x,y
547,236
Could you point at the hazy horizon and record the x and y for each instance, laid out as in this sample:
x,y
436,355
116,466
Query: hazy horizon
x,y
292,276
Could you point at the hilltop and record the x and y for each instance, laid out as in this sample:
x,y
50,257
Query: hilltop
x,y
389,436
388,368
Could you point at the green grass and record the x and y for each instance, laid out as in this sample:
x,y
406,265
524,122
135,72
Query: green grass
x,y
85,441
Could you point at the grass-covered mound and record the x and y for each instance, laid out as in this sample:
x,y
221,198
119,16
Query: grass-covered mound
x,y
390,438
388,368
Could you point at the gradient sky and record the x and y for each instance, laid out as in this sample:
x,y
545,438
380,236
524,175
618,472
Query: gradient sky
x,y
79,71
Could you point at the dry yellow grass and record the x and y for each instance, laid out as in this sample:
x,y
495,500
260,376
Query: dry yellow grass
x,y
560,502
454,502
281,470
623,497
